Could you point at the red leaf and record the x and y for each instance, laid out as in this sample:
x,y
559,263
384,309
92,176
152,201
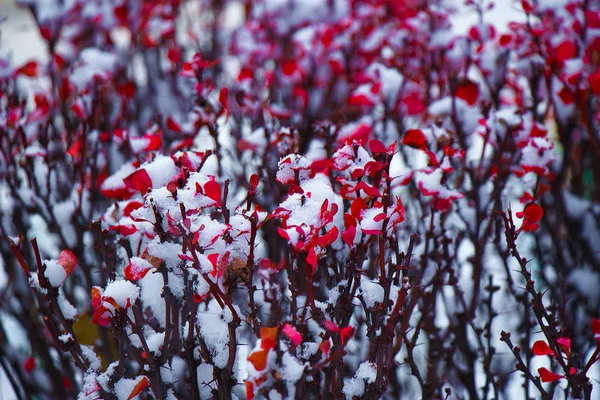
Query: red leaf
x,y
348,235
360,134
329,237
311,259
213,190
564,342
368,189
592,19
173,125
259,359
96,296
379,217
131,207
29,69
468,91
566,50
249,390
566,96
548,376
414,104
415,139
289,67
377,147
533,212
325,346
29,364
139,181
360,100
67,260
283,233
224,98
154,142
293,334
594,80
527,6
74,150
541,348
357,207
346,333
268,337
137,389
134,271
254,181
595,326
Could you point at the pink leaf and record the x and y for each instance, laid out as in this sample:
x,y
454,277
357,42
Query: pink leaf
x,y
292,333
331,326
67,260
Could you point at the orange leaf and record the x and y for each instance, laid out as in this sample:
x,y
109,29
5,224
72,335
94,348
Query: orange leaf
x,y
259,359
141,385
268,336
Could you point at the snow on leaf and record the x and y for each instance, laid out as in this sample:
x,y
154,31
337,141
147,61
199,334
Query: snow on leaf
x,y
137,269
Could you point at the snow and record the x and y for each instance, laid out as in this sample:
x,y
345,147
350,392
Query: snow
x,y
291,372
68,310
366,373
125,386
155,342
213,329
90,355
124,293
55,273
65,337
587,283
372,292
161,171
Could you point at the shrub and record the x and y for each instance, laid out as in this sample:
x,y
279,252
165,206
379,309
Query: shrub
x,y
330,199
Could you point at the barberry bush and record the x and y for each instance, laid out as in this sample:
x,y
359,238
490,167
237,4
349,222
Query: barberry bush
x,y
301,199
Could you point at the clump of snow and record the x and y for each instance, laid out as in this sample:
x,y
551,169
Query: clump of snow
x,y
90,355
161,170
55,273
65,337
372,292
68,310
124,387
291,372
213,328
124,293
366,373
